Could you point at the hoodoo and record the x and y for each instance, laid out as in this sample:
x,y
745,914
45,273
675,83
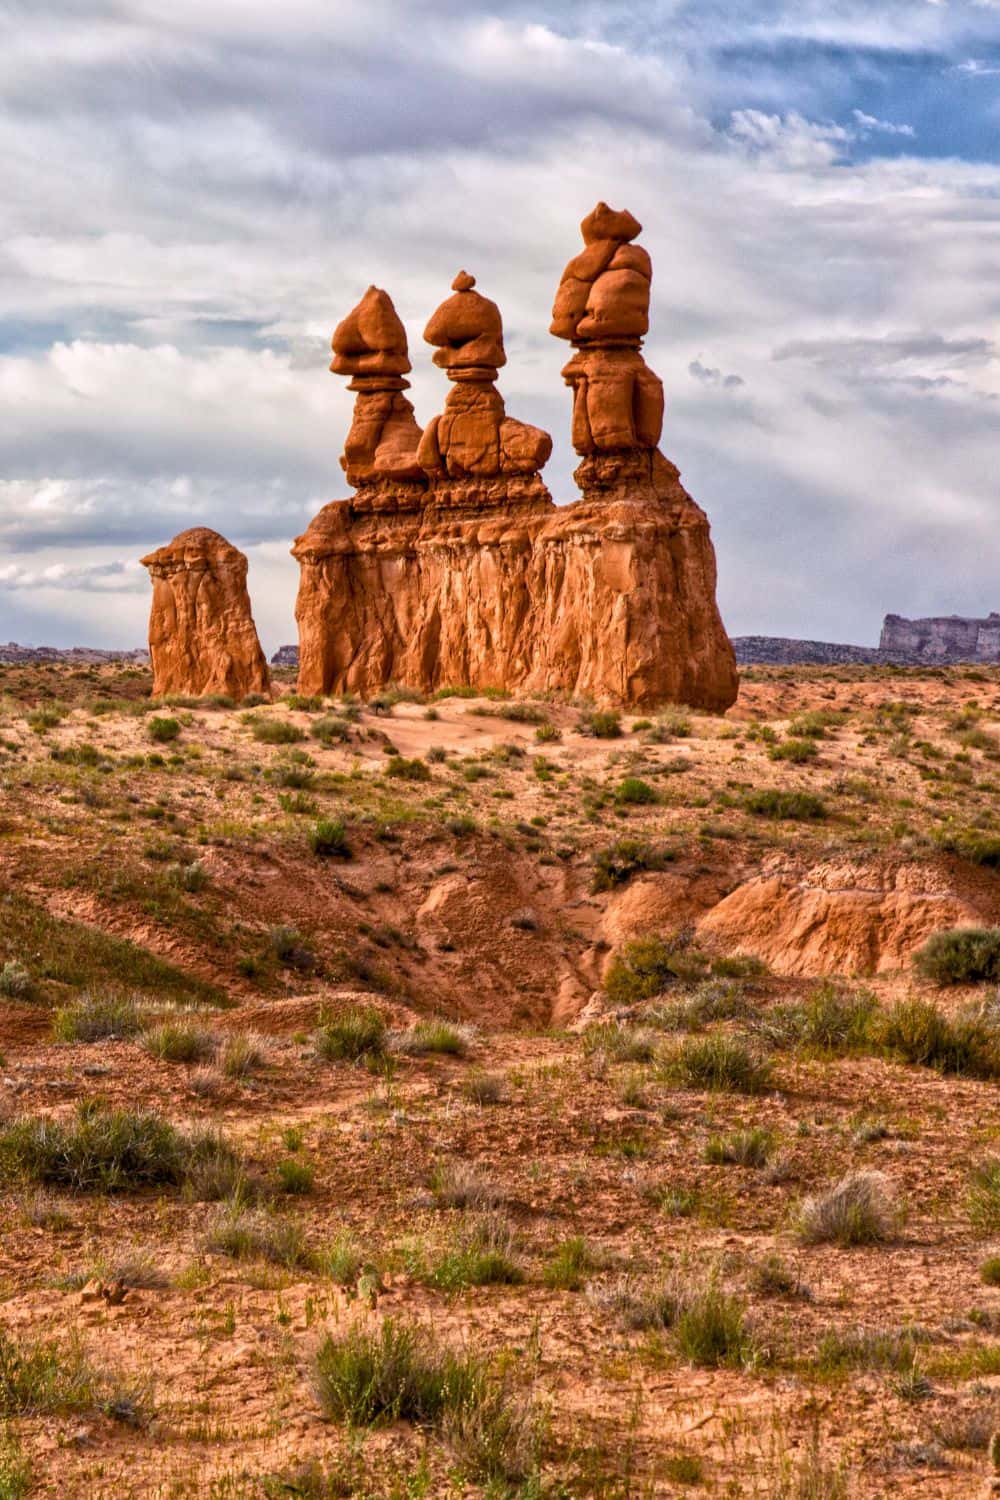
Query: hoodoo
x,y
202,638
452,566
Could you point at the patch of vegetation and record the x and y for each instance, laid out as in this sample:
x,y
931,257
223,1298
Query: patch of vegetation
x,y
407,770
162,731
860,1209
962,955
616,865
328,839
567,1267
984,1195
601,724
16,982
647,966
620,1043
357,1035
795,751
710,1327
269,731
743,1148
255,1234
718,1062
977,847
633,791
771,802
917,1032
331,727
179,1041
434,1035
97,1018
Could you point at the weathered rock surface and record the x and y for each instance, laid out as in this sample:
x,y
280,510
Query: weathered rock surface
x,y
468,574
942,638
202,638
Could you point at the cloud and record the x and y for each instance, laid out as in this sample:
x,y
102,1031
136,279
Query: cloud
x,y
223,181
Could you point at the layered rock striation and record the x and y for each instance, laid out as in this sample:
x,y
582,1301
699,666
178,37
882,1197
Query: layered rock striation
x,y
452,566
202,638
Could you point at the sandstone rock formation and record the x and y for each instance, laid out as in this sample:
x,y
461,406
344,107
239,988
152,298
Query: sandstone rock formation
x,y
452,566
202,638
941,639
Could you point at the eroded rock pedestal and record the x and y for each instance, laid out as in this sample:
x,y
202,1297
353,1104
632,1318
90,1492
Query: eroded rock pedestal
x,y
451,565
202,638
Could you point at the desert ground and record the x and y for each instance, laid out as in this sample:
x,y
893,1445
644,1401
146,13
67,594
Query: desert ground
x,y
494,1097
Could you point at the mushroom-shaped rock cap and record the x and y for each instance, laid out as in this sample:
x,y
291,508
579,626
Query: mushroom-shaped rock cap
x,y
604,223
466,329
371,340
197,543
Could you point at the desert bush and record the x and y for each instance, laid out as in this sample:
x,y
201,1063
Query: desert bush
x,y
328,838
771,1277
179,1041
989,1271
972,844
567,1267
331,727
635,1302
620,1043
97,1017
356,1035
485,1088
459,1184
407,770
433,1035
869,1349
341,1260
795,751
917,1032
214,1171
770,802
241,1054
860,1209
717,1062
546,734
601,724
100,1150
162,731
40,1378
984,1195
268,731
710,1323
617,864
300,703
647,966
710,1000
632,790
16,982
295,1176
831,1020
482,1256
743,1148
963,955
255,1234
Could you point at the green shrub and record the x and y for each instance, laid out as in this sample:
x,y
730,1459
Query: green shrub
x,y
770,802
984,1195
295,1176
395,1373
102,1150
602,724
356,1035
241,1054
633,790
718,1062
331,727
163,730
433,1035
970,843
328,839
482,1257
711,1328
796,751
546,734
567,1268
833,1021
624,858
16,982
989,1271
95,1018
255,1234
179,1041
275,731
647,966
917,1032
408,770
961,955
744,1148
620,1043
858,1210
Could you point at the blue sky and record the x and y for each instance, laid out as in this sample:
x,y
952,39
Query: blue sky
x,y
196,191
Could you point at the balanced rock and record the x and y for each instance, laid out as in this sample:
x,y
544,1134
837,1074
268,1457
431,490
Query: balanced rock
x,y
370,345
202,638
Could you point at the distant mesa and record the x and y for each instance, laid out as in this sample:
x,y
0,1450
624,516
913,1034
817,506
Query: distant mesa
x,y
202,638
942,640
12,654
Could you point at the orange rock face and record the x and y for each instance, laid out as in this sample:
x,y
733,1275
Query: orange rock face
x,y
202,638
470,575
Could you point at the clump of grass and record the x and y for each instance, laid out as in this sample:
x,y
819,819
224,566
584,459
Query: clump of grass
x,y
407,770
771,1277
984,1195
710,1324
240,1055
743,1148
620,1043
989,1271
39,1379
459,1184
331,727
793,806
794,750
485,1088
356,1035
433,1035
255,1234
568,1266
917,1032
97,1017
646,966
295,1176
267,731
633,791
179,1041
718,1062
102,1150
860,1209
328,839
341,1260
162,731
16,982
601,724
869,1349
214,1171
962,955
483,1256
834,1021
635,1302
972,844
400,1372
620,861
